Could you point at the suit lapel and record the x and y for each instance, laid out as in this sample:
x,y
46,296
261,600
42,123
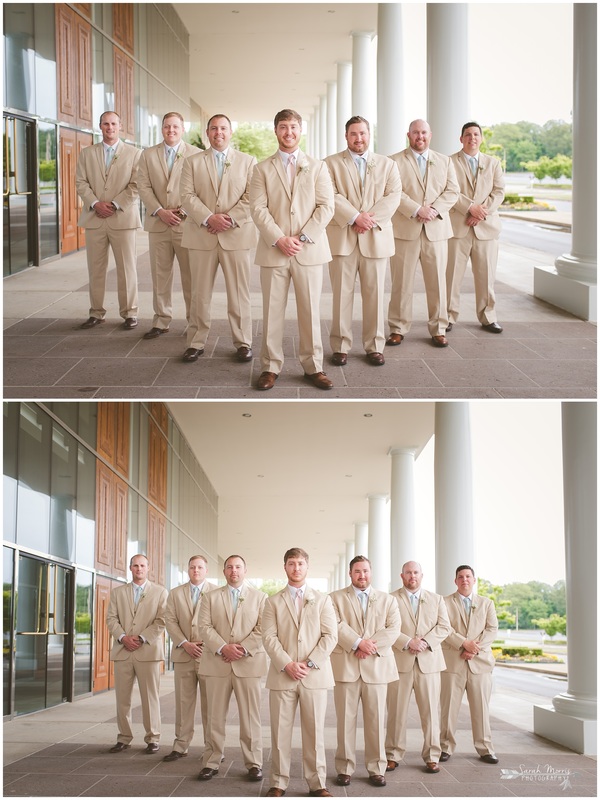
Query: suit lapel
x,y
287,599
467,170
278,164
162,157
212,170
188,598
415,167
353,172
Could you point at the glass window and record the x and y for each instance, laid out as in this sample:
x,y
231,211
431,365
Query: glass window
x,y
88,423
137,527
62,492
45,60
48,185
86,507
11,429
19,49
33,494
84,611
7,626
67,412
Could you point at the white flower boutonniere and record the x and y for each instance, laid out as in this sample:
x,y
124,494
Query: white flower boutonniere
x,y
304,169
241,599
431,162
309,601
480,168
421,600
371,165
226,165
179,155
372,600
142,596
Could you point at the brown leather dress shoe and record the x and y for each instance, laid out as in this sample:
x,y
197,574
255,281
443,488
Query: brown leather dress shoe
x,y
394,339
207,773
275,792
244,353
174,755
432,766
339,359
444,757
255,774
91,323
192,354
377,780
489,758
151,747
391,766
119,747
320,793
376,359
440,341
130,323
154,333
343,780
321,381
265,382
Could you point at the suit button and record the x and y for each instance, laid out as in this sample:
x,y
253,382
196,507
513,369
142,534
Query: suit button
x,y
292,213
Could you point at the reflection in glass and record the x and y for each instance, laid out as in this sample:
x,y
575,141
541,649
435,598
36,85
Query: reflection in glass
x,y
7,626
62,502
32,627
11,427
86,507
33,496
84,604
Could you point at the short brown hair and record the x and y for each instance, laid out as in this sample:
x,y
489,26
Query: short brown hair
x,y
464,566
356,119
295,552
287,113
356,560
193,558
109,112
173,114
470,125
218,116
243,560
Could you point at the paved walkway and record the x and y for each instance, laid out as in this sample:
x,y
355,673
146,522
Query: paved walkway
x,y
543,353
62,752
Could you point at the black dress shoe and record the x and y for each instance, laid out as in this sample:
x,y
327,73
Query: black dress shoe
x,y
174,755
192,354
130,323
207,773
376,359
255,774
343,780
489,758
119,747
449,327
244,353
493,327
154,333
339,359
444,757
377,780
91,323
151,747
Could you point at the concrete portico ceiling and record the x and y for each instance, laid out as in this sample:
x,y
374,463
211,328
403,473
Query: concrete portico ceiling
x,y
249,60
297,473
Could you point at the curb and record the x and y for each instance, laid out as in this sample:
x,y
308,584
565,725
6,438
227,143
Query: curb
x,y
540,669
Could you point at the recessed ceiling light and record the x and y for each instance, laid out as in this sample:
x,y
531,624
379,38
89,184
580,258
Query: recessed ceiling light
x,y
260,476
347,476
246,415
367,415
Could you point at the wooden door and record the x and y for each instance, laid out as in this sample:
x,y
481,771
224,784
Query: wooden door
x,y
82,140
102,666
68,195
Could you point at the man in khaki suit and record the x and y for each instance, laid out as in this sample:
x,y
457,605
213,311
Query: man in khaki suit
x,y
291,200
363,665
234,661
367,192
105,182
214,193
423,627
422,228
182,621
299,633
476,227
469,664
136,621
159,173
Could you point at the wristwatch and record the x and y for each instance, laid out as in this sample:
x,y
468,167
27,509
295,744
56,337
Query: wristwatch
x,y
303,238
311,665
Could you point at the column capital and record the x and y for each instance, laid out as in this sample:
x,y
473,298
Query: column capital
x,y
395,451
368,34
377,496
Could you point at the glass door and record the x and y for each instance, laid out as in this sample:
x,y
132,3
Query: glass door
x,y
43,663
19,208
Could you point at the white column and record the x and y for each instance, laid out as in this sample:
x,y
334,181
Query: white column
x,y
323,121
402,510
379,545
390,73
362,80
343,570
349,554
344,101
571,721
317,124
454,538
572,285
447,73
361,539
331,118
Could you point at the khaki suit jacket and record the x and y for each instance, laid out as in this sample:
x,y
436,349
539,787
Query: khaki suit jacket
x,y
431,624
487,189
117,184
220,626
147,620
439,189
157,188
381,623
278,211
286,640
380,196
182,619
201,196
481,627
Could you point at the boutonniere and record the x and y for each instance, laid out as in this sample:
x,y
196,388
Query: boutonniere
x,y
226,165
480,168
473,607
241,599
143,594
178,155
303,169
309,601
421,600
431,162
371,165
372,601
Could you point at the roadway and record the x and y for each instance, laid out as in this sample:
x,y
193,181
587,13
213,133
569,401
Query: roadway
x,y
551,241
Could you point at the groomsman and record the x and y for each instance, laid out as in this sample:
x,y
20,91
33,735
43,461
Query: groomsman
x,y
469,664
291,199
363,665
234,662
106,183
423,627
136,621
422,228
159,173
183,626
367,191
214,194
476,227
299,633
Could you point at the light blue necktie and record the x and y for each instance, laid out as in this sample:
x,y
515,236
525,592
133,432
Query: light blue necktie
x,y
195,595
363,596
467,605
473,163
170,158
422,165
235,598
220,164
414,603
137,595
110,152
360,163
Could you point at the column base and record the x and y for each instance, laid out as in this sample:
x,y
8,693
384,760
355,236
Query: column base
x,y
576,296
575,733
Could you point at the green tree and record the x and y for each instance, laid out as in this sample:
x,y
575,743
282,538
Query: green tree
x,y
520,140
551,625
488,589
194,136
557,138
256,139
272,587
